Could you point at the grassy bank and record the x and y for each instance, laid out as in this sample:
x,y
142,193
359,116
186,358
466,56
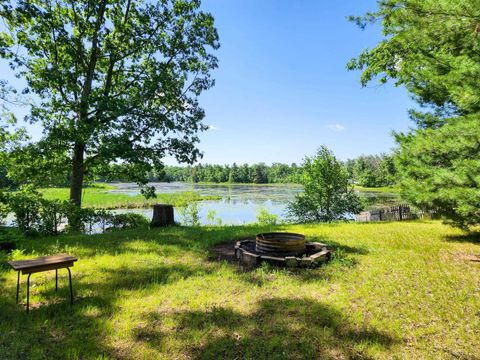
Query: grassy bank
x,y
394,290
383,189
100,197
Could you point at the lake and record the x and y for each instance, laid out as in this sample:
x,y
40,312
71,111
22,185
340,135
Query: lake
x,y
240,204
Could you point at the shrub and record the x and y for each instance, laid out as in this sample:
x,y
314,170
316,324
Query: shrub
x,y
328,195
53,214
189,213
129,221
266,218
25,204
36,215
212,217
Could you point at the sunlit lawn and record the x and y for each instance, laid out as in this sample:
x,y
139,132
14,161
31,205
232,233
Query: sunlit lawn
x,y
101,197
394,290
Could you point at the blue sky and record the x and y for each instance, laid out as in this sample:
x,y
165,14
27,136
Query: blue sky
x,y
282,87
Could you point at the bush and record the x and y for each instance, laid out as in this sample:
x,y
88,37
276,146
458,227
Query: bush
x,y
212,217
25,204
189,213
36,215
53,213
129,221
106,220
266,218
328,195
33,213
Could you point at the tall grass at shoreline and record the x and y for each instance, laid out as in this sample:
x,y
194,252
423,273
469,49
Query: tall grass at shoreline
x,y
99,197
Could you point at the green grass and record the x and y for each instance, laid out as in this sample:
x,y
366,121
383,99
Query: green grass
x,y
383,189
99,197
393,291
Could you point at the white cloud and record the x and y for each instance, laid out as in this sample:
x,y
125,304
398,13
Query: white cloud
x,y
336,127
212,127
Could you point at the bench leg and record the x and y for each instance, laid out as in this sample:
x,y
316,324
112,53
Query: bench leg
x,y
71,288
28,292
18,284
56,279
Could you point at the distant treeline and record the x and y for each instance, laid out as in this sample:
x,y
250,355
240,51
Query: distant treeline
x,y
256,173
366,170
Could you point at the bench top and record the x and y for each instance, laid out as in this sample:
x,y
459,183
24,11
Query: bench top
x,y
47,261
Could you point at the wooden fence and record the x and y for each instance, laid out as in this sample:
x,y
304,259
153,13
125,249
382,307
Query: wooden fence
x,y
393,213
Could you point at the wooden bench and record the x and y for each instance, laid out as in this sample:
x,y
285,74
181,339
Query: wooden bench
x,y
45,263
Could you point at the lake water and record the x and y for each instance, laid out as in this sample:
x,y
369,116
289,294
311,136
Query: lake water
x,y
240,204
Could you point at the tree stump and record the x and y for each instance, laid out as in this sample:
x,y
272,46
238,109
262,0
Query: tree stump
x,y
162,215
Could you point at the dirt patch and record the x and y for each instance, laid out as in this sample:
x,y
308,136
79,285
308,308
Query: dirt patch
x,y
224,251
468,257
462,256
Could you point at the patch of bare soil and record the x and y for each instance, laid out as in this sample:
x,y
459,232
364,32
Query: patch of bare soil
x,y
468,257
462,256
223,251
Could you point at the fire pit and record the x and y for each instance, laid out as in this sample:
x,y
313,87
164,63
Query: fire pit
x,y
281,249
287,244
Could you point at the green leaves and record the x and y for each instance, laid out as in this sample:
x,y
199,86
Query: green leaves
x,y
328,195
118,80
430,47
441,170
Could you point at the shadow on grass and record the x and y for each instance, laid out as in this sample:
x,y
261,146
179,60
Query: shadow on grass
x,y
473,237
55,330
198,239
279,328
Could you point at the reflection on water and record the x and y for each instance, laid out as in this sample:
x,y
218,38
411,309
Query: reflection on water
x,y
241,204
229,211
277,193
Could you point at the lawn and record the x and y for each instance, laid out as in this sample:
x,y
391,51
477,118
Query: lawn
x,y
382,189
393,290
100,197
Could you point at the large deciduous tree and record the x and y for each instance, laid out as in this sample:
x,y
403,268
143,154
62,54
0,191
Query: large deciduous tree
x,y
114,82
432,47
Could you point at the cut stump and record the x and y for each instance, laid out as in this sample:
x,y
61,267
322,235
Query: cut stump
x,y
162,215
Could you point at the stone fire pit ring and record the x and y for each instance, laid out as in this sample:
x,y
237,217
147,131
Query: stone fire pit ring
x,y
314,253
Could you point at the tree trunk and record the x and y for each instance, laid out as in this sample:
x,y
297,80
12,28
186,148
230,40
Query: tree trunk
x,y
162,215
76,184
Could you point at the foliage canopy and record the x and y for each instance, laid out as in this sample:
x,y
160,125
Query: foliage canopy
x,y
328,194
116,82
432,48
441,170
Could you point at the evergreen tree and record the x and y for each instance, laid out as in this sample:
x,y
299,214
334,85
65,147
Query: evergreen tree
x,y
440,170
432,48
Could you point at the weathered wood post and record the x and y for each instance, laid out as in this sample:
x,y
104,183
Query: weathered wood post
x,y
162,215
